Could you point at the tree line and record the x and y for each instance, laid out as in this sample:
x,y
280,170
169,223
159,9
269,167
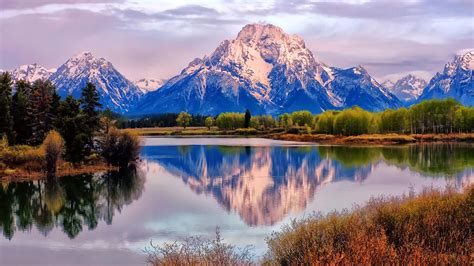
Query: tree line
x,y
33,113
430,116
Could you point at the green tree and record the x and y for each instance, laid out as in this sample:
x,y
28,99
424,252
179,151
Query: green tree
x,y
39,110
302,118
228,121
209,122
183,119
71,125
285,121
248,116
20,109
325,122
6,120
90,109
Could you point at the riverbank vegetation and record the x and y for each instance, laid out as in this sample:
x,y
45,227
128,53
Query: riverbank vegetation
x,y
433,227
432,120
43,134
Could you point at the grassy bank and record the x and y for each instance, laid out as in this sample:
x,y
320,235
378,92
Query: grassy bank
x,y
432,228
377,139
302,135
64,169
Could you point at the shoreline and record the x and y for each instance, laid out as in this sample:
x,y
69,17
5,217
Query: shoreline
x,y
20,174
326,139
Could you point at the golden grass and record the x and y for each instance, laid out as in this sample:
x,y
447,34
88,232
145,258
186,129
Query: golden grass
x,y
377,139
64,169
435,227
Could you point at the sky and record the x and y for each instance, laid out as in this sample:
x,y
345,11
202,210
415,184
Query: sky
x,y
158,38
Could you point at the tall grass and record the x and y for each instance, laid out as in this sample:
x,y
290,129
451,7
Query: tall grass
x,y
435,227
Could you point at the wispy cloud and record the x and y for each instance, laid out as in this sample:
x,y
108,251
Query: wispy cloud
x,y
25,4
147,38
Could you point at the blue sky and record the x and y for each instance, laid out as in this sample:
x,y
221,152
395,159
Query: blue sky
x,y
156,39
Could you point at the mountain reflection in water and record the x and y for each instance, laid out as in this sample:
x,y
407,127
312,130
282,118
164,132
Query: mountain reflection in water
x,y
264,184
70,203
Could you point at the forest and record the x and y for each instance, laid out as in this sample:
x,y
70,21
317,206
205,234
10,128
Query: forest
x,y
37,126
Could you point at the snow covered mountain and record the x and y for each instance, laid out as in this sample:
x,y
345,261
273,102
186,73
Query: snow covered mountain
x,y
456,81
267,71
354,86
116,92
149,85
31,73
407,89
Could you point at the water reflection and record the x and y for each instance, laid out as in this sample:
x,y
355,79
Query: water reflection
x,y
69,203
264,184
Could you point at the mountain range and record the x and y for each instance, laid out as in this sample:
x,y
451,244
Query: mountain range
x,y
407,89
262,69
455,81
266,71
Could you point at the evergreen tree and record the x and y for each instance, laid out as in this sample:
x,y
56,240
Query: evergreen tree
x,y
248,117
55,103
39,110
6,121
71,125
90,105
20,109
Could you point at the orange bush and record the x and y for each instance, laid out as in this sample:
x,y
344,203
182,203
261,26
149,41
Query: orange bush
x,y
435,227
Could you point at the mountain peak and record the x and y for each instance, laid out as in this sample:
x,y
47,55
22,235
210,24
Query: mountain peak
x,y
408,88
31,72
455,81
256,32
116,92
466,60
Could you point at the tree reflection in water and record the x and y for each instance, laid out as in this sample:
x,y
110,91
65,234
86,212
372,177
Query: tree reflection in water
x,y
70,203
264,184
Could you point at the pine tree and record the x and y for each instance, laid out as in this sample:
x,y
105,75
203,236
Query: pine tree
x,y
20,109
248,117
71,125
39,110
6,121
90,108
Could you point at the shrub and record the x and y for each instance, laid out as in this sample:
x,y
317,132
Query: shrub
x,y
293,130
53,146
199,251
120,147
433,228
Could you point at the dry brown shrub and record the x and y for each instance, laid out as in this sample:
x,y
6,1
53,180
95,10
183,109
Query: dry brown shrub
x,y
436,227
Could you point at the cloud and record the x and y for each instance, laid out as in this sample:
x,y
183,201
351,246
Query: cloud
x,y
23,4
376,9
145,39
192,10
50,39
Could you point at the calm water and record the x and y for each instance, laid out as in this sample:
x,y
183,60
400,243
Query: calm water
x,y
247,187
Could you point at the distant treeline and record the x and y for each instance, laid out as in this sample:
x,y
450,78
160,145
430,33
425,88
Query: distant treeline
x,y
160,120
431,116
